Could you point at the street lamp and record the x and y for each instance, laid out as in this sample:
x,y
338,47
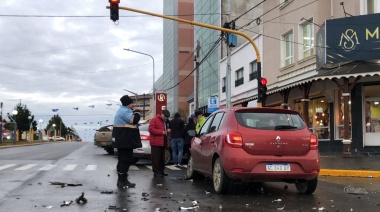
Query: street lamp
x,y
55,133
30,127
14,112
133,94
153,92
41,121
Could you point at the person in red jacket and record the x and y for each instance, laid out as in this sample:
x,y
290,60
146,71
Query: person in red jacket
x,y
159,130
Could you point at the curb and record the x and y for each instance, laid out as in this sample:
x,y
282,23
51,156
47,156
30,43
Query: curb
x,y
18,145
349,173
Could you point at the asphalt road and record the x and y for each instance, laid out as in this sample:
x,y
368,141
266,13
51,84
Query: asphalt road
x,y
26,174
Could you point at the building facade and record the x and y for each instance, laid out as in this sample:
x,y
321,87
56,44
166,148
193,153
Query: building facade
x,y
177,78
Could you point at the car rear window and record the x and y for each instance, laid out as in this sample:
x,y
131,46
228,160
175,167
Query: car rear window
x,y
144,127
270,121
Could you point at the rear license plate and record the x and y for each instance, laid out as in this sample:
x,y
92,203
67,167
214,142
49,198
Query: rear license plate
x,y
278,167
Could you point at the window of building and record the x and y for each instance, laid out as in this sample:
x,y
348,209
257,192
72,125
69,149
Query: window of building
x,y
307,38
287,49
223,85
372,109
253,70
239,76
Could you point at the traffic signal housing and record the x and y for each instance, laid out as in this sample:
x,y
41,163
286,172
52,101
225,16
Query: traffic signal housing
x,y
114,10
263,90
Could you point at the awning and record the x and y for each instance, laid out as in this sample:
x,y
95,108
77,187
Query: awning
x,y
354,69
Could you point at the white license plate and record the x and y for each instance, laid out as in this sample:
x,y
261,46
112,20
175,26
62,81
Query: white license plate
x,y
278,167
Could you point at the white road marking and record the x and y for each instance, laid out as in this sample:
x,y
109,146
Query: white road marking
x,y
172,167
149,167
48,167
134,168
70,167
22,168
91,167
7,166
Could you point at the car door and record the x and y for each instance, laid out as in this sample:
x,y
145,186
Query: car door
x,y
197,145
209,145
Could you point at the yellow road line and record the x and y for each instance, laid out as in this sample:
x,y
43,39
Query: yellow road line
x,y
349,173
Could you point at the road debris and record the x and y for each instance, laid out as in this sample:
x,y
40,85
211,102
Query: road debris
x,y
65,184
207,192
106,192
47,206
66,203
113,207
195,206
353,190
81,199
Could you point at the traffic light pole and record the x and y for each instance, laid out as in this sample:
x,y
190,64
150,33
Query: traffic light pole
x,y
210,27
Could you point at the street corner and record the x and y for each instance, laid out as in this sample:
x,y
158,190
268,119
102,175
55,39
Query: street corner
x,y
349,173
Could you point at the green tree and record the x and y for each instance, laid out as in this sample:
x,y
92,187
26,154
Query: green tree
x,y
60,127
22,121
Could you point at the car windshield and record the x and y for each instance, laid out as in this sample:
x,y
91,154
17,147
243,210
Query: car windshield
x,y
269,121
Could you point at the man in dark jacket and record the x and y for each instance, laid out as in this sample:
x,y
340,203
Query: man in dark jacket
x,y
125,137
159,130
176,126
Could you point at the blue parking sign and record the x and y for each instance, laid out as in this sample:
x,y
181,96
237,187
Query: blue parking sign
x,y
213,104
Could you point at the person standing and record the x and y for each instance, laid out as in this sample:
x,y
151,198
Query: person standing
x,y
176,126
188,133
125,137
200,120
159,130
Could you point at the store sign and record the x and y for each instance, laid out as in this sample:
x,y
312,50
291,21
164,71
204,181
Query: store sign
x,y
348,39
213,104
161,102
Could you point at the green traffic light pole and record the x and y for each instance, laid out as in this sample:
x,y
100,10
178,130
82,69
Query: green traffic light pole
x,y
259,104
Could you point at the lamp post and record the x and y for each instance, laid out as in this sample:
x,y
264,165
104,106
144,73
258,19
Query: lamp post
x,y
41,121
14,112
55,133
30,128
153,92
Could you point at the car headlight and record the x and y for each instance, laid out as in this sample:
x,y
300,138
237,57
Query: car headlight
x,y
8,137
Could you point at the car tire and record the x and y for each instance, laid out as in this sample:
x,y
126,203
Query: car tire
x,y
306,186
190,172
110,150
221,181
168,156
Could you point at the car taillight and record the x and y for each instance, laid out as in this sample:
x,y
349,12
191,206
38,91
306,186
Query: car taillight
x,y
313,142
233,139
144,137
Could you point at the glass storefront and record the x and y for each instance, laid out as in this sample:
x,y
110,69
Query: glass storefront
x,y
371,115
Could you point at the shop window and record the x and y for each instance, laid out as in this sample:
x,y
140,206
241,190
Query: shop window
x,y
319,113
372,109
340,126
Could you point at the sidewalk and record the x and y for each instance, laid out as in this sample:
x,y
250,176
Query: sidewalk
x,y
355,166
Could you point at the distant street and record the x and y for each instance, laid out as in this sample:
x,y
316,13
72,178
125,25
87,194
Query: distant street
x,y
26,174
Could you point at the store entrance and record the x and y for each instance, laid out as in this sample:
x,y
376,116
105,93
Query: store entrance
x,y
371,116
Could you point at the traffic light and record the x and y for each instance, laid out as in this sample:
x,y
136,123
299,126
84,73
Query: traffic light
x,y
114,10
263,90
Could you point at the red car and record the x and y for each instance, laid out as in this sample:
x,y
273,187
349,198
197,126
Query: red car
x,y
255,145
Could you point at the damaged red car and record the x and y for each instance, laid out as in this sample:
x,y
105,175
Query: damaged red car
x,y
255,145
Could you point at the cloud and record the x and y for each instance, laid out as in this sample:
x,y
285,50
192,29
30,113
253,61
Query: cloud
x,y
68,54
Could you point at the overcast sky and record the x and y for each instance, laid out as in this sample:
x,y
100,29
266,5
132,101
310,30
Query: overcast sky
x,y
64,54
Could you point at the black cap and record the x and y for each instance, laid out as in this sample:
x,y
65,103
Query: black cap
x,y
126,100
177,115
166,113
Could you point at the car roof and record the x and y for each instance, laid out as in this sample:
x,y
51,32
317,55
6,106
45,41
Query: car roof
x,y
258,110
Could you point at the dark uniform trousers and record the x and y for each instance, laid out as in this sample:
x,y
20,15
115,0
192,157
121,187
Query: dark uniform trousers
x,y
125,160
158,159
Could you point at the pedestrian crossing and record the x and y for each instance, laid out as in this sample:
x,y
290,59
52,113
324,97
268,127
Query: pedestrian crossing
x,y
73,167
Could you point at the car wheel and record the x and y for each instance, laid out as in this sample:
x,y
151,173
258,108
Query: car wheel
x,y
220,180
190,172
168,156
306,186
110,150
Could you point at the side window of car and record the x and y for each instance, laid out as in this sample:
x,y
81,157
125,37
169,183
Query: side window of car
x,y
205,126
216,122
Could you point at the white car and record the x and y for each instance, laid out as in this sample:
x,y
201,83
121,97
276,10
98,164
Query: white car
x,y
57,138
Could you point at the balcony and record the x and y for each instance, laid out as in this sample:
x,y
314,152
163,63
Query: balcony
x,y
239,82
253,76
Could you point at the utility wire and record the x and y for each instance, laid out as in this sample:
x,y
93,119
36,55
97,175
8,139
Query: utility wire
x,y
248,10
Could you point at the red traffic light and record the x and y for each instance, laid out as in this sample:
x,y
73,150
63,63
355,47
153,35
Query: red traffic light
x,y
114,1
264,81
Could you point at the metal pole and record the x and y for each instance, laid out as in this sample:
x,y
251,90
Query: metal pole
x,y
144,107
154,90
228,76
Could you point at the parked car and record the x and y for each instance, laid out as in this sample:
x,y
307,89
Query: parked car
x,y
103,139
255,145
57,138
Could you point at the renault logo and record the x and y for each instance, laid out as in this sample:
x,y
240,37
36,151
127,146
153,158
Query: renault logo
x,y
278,139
